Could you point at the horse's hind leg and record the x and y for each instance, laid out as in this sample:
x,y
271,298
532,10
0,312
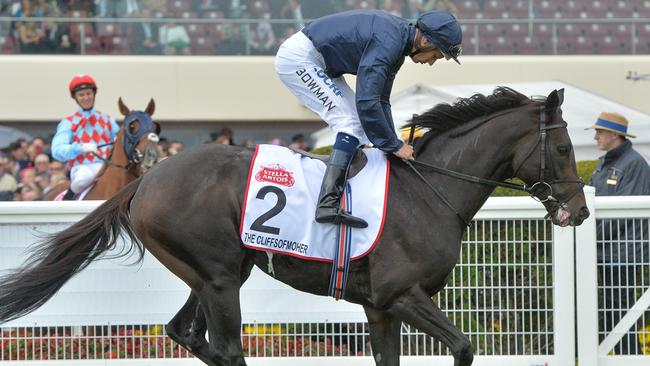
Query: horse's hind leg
x,y
188,329
416,308
384,336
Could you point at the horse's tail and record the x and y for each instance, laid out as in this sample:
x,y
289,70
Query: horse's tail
x,y
62,255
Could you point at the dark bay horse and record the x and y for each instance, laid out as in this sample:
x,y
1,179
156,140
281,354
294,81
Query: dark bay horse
x,y
186,212
134,151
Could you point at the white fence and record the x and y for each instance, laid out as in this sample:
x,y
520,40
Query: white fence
x,y
512,293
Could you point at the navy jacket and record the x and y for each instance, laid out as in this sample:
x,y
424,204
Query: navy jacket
x,y
622,172
370,44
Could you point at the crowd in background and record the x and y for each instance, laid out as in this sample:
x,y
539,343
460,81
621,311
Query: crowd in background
x,y
257,38
28,172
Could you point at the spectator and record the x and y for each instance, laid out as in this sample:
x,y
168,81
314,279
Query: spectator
x,y
163,149
292,10
27,175
32,38
5,11
56,167
145,36
28,192
117,8
18,151
622,171
233,43
393,7
262,40
8,184
58,40
206,5
275,141
72,142
246,143
175,147
300,142
42,163
174,39
222,140
57,184
372,45
35,147
286,34
42,181
446,5
11,167
224,135
155,6
48,8
416,7
622,244
84,6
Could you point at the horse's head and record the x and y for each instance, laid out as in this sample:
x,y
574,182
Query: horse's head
x,y
140,136
548,165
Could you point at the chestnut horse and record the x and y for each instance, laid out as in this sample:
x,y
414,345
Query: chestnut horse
x,y
134,151
186,212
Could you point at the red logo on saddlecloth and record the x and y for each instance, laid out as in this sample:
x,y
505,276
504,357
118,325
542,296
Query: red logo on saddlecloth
x,y
275,174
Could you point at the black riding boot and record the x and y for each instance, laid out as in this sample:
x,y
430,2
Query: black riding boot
x,y
69,195
329,201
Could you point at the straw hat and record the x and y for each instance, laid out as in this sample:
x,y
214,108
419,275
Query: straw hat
x,y
614,122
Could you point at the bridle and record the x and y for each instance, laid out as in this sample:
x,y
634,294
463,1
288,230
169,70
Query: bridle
x,y
533,190
133,154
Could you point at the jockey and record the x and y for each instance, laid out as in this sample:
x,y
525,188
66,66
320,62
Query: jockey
x,y
78,136
372,45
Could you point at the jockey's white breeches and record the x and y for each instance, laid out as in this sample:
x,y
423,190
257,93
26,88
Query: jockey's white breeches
x,y
302,69
82,176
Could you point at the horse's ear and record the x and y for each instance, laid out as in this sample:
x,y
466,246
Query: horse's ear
x,y
555,99
123,108
151,107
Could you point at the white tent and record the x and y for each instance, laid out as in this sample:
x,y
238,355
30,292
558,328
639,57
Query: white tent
x,y
580,109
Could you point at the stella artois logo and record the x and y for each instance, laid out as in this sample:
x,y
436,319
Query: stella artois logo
x,y
275,174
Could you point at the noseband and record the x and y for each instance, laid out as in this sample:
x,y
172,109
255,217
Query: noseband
x,y
537,190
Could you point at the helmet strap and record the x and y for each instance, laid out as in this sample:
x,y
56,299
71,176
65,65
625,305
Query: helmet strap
x,y
418,49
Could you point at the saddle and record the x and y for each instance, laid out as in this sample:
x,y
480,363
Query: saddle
x,y
358,161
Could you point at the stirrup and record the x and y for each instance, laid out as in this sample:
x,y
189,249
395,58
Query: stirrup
x,y
340,216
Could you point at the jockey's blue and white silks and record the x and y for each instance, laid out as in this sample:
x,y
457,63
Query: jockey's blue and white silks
x,y
83,127
280,202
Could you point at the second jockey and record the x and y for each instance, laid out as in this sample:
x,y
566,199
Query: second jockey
x,y
372,45
83,139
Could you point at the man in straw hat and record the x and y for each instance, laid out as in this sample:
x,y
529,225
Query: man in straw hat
x,y
622,171
622,243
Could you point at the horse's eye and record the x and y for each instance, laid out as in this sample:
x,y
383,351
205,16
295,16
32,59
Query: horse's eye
x,y
564,149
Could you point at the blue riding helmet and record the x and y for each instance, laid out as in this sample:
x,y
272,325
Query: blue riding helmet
x,y
442,29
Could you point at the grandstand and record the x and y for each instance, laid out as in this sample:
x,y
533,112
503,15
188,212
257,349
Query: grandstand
x,y
220,27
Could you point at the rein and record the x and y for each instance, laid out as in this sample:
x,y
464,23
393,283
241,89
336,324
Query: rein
x,y
519,187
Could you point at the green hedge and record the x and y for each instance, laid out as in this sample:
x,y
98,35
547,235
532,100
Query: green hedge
x,y
585,168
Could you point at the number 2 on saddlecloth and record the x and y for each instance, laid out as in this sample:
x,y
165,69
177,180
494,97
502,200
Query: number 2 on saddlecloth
x,y
258,224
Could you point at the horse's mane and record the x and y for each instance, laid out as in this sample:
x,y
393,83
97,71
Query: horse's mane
x,y
444,117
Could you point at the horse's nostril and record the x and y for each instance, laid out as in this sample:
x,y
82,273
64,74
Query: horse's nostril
x,y
584,213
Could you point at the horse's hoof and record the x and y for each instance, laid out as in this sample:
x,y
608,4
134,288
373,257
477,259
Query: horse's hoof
x,y
465,356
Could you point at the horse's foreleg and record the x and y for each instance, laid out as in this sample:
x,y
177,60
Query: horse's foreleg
x,y
384,336
416,308
220,303
188,329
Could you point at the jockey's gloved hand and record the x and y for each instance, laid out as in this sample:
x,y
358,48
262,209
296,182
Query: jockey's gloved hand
x,y
89,147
